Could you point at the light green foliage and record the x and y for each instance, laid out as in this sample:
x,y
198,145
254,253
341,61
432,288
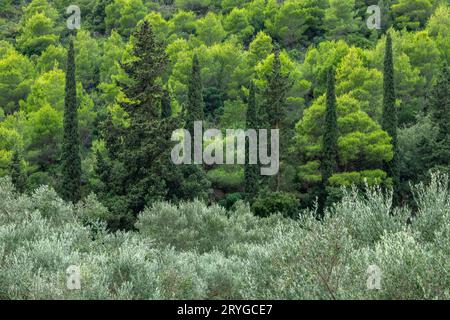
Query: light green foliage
x,y
260,47
409,85
48,88
159,25
11,140
113,50
360,137
43,135
37,33
289,23
123,15
288,67
227,178
209,29
319,59
199,6
52,57
183,23
233,115
223,66
438,28
87,59
237,23
16,76
355,78
340,19
411,14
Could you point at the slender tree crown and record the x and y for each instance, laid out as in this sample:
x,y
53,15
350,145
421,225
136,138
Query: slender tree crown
x,y
330,136
439,101
166,107
251,171
71,161
390,117
150,60
194,108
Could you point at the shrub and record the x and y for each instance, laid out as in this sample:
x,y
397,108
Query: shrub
x,y
195,251
276,202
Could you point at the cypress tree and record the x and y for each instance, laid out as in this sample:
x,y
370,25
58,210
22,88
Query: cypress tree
x,y
439,109
251,171
439,102
390,118
166,107
194,110
15,170
330,138
275,105
71,162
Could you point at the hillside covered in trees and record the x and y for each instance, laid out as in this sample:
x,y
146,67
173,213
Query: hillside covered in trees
x,y
89,100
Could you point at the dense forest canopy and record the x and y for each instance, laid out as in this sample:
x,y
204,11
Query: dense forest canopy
x,y
92,90
144,68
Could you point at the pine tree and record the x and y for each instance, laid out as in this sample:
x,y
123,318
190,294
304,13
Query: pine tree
x,y
330,138
15,170
390,118
71,162
194,109
274,115
145,155
166,107
251,171
144,72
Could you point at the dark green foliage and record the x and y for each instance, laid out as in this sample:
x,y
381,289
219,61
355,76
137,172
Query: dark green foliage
x,y
166,106
330,139
439,102
330,136
251,171
213,99
275,95
276,202
18,177
98,16
140,170
70,159
140,155
390,117
144,72
274,112
439,109
194,108
230,199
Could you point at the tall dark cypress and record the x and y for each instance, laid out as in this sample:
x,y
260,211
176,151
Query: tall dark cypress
x,y
330,138
70,161
194,109
275,106
15,170
251,171
439,102
166,107
390,118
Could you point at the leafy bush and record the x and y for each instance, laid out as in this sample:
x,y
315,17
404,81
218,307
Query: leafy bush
x,y
194,251
276,202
